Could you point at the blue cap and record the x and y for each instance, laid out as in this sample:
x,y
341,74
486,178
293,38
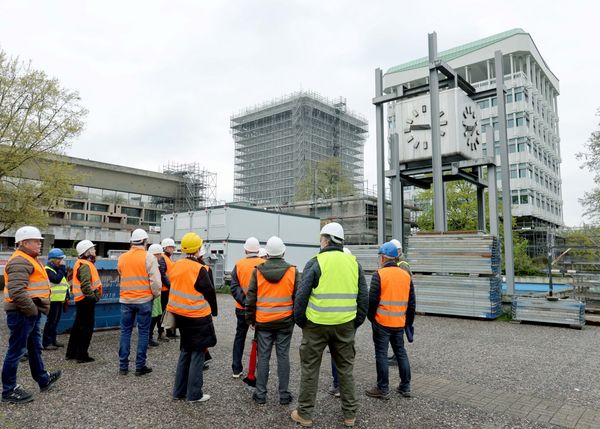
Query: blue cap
x,y
388,249
56,254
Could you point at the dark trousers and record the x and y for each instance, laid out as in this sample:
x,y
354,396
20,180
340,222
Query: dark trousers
x,y
383,336
188,376
164,299
82,330
241,330
25,333
56,310
281,339
340,339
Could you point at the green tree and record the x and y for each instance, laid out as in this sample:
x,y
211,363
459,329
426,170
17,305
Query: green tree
x,y
326,179
591,161
38,120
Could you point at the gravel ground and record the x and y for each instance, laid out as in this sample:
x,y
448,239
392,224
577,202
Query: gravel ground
x,y
548,362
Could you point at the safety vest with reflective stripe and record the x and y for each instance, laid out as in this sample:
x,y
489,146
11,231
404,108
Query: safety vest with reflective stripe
x,y
58,291
274,300
393,298
333,301
243,269
96,284
184,299
39,284
169,265
135,282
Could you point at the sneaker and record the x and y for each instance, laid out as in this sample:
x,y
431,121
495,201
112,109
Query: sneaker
x,y
52,378
153,342
143,370
123,371
259,401
285,401
237,374
299,419
50,347
57,344
334,391
204,398
205,366
18,396
250,382
404,393
86,359
349,423
376,393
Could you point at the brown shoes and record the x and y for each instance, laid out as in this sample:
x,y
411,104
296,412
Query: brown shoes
x,y
349,423
303,422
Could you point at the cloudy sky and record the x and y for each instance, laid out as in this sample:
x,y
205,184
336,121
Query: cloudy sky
x,y
162,78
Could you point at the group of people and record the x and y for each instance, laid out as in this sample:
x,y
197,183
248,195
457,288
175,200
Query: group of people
x,y
329,301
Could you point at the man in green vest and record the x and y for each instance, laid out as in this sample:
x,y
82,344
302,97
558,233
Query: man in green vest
x,y
57,274
331,303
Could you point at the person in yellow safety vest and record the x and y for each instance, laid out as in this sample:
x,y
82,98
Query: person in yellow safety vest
x,y
164,265
139,284
391,309
269,307
193,302
26,298
87,291
331,303
59,288
240,279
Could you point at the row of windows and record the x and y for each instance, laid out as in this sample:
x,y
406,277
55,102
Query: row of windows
x,y
535,199
513,95
116,197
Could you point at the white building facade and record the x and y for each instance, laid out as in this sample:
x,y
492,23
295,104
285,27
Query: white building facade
x,y
531,117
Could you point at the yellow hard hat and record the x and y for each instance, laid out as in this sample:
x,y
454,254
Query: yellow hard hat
x,y
190,243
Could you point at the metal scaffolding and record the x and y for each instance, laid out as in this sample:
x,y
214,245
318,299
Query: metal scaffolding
x,y
278,142
197,188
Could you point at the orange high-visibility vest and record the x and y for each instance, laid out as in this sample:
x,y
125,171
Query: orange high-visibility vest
x,y
184,299
135,283
39,284
274,300
243,269
96,283
393,297
169,264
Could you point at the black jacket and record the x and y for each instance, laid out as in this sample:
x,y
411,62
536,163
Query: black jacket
x,y
310,280
273,270
375,297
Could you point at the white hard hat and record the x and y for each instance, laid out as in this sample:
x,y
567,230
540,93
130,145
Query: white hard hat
x,y
83,246
275,246
347,251
138,235
202,251
28,233
396,243
262,252
333,229
155,249
167,242
252,245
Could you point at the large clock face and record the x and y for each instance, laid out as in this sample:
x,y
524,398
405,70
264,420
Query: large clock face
x,y
471,133
418,128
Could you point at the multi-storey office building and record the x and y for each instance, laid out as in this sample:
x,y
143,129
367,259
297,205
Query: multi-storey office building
x,y
532,117
279,142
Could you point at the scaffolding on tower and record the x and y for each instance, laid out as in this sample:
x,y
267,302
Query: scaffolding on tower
x,y
197,188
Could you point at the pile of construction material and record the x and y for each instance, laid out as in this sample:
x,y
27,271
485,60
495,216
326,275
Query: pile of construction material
x,y
456,274
569,312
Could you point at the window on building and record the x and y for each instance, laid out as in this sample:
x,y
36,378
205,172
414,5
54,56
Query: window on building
x,y
76,205
494,101
514,172
98,207
77,216
95,218
509,98
484,104
130,211
515,197
510,123
524,198
511,148
522,170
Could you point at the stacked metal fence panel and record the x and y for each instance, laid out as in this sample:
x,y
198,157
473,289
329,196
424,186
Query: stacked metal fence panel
x,y
456,274
563,311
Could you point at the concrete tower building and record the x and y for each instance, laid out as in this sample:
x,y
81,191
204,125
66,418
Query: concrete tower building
x,y
278,143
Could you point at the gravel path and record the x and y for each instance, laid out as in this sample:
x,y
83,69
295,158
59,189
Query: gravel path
x,y
548,362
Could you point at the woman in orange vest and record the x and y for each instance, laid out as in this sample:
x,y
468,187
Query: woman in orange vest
x,y
269,307
193,301
87,290
391,309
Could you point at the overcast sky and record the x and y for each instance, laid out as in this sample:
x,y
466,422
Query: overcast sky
x,y
162,78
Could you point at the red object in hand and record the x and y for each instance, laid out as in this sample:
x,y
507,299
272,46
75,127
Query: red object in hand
x,y
252,364
66,306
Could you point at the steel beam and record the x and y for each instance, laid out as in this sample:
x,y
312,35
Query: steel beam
x,y
397,203
380,143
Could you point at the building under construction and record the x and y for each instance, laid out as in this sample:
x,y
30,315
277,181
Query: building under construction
x,y
279,142
197,187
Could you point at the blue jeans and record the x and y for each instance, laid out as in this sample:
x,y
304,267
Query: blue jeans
x,y
25,333
383,336
281,339
188,377
129,314
241,330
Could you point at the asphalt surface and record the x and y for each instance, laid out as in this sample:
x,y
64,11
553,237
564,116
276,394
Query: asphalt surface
x,y
548,362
